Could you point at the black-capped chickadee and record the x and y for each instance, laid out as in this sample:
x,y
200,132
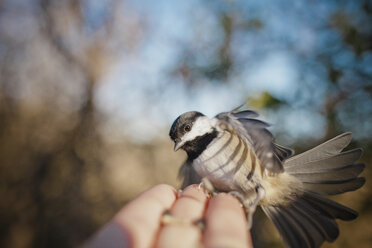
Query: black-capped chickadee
x,y
235,153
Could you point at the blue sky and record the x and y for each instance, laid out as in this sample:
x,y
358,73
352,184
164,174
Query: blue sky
x,y
140,95
267,60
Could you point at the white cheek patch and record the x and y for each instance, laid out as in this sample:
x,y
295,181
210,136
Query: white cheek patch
x,y
201,126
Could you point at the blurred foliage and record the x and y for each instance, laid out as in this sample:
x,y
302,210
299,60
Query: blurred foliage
x,y
352,34
264,100
61,179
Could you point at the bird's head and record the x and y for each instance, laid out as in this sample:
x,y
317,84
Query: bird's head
x,y
187,128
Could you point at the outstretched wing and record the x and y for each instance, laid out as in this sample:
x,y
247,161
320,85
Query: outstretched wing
x,y
188,175
258,138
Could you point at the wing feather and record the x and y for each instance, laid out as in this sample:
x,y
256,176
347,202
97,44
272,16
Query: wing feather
x,y
188,175
258,138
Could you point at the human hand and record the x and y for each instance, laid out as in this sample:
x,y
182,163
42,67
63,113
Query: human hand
x,y
142,223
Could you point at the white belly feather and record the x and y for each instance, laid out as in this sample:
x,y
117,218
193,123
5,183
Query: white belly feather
x,y
231,166
219,162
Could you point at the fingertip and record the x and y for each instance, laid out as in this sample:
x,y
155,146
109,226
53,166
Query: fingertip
x,y
193,191
162,189
141,217
227,201
226,224
187,210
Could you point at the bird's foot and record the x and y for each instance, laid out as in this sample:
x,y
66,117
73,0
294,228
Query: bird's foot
x,y
239,196
207,187
248,204
245,203
251,209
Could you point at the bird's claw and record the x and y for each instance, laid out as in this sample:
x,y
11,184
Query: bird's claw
x,y
207,186
249,206
238,195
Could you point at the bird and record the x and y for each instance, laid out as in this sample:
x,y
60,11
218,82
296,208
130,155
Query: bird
x,y
234,152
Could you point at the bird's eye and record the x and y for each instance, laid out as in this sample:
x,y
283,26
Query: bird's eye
x,y
187,128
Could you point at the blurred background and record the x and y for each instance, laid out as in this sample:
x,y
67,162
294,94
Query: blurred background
x,y
89,89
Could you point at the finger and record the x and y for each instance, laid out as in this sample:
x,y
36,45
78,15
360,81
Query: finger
x,y
141,217
226,225
187,210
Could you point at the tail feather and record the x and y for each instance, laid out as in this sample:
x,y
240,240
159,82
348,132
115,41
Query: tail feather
x,y
297,229
344,173
302,225
328,163
326,226
309,219
335,187
290,234
325,150
328,207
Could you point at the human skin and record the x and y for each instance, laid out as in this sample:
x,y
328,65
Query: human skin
x,y
142,222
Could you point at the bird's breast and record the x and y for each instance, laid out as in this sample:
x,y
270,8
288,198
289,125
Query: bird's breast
x,y
226,162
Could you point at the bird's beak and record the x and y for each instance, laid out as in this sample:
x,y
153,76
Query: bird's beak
x,y
177,145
